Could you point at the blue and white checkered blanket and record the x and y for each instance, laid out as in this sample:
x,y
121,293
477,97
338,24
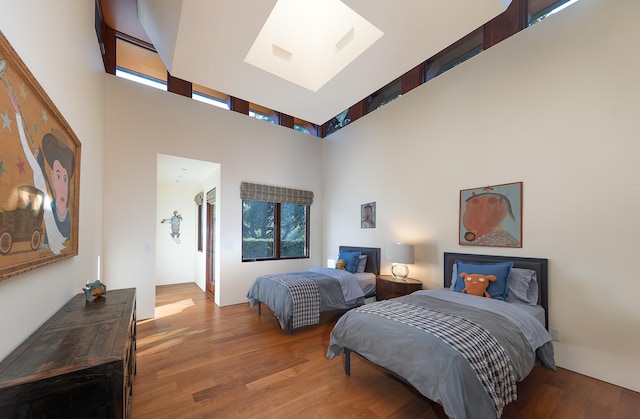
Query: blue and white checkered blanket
x,y
485,355
305,295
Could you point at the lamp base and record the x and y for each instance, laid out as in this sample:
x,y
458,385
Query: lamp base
x,y
400,271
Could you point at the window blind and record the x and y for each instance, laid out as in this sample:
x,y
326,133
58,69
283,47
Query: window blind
x,y
268,193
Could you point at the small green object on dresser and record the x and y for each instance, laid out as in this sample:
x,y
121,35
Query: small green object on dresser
x,y
94,290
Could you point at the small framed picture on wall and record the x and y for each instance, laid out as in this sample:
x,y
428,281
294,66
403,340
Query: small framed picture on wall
x,y
368,215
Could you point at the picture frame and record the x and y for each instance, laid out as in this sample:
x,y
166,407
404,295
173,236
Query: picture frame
x,y
491,216
39,173
368,215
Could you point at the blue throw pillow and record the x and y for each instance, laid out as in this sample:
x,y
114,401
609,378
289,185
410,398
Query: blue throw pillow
x,y
497,289
351,258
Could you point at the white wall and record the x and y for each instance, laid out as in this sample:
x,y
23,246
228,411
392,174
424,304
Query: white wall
x,y
141,122
57,42
556,107
175,262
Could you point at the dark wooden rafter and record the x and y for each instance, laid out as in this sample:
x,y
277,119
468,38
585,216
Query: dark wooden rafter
x,y
108,48
179,86
286,120
508,23
413,78
238,105
358,110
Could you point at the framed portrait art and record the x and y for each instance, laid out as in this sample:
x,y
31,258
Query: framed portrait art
x,y
368,215
491,216
39,173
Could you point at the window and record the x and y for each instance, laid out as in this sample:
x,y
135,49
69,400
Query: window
x,y
293,230
304,126
140,65
341,120
385,95
262,113
210,100
541,9
274,230
142,79
301,128
210,96
139,62
455,54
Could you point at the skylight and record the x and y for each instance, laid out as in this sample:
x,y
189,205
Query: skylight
x,y
309,42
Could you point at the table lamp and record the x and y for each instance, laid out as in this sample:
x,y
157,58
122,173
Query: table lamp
x,y
399,255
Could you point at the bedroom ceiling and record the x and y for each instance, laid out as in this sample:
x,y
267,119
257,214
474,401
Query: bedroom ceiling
x,y
206,42
183,171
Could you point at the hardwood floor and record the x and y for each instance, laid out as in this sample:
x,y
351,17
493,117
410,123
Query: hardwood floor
x,y
196,360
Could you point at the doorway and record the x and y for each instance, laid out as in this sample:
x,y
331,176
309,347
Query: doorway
x,y
211,245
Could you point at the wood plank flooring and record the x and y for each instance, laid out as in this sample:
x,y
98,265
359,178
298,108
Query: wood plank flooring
x,y
198,360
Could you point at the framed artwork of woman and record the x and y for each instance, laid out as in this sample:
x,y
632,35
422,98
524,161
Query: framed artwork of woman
x,y
39,173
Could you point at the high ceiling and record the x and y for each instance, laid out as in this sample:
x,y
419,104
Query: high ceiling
x,y
206,42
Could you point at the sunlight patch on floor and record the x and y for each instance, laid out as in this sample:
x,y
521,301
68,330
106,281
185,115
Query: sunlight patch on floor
x,y
170,309
161,336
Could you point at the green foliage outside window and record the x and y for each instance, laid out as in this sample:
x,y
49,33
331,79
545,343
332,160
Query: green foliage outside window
x,y
293,230
261,237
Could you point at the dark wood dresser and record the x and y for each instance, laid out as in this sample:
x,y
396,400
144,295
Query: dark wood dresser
x,y
79,364
388,287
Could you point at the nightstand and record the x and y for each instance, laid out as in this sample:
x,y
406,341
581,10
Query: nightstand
x,y
388,287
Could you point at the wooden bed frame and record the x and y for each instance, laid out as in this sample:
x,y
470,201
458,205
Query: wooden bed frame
x,y
540,266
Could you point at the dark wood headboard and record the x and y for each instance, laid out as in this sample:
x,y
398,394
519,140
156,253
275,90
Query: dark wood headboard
x,y
541,266
373,257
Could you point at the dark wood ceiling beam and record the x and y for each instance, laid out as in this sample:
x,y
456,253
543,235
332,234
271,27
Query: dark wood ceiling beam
x,y
508,23
286,120
108,48
238,105
179,86
412,78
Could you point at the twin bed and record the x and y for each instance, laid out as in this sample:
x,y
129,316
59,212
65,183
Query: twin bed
x,y
463,352
298,298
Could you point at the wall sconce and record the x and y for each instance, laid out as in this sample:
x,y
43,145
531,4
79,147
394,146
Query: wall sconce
x,y
399,255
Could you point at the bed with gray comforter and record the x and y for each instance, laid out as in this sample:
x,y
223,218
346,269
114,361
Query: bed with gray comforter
x,y
335,290
464,352
298,298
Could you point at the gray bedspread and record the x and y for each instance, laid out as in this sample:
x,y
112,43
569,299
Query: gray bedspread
x,y
432,366
339,290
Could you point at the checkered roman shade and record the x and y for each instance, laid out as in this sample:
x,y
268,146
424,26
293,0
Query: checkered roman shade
x,y
256,192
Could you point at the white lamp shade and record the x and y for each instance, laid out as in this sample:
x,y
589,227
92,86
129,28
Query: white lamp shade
x,y
399,253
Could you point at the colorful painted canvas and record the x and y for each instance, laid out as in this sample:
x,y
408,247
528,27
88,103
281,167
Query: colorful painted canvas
x,y
491,216
39,173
